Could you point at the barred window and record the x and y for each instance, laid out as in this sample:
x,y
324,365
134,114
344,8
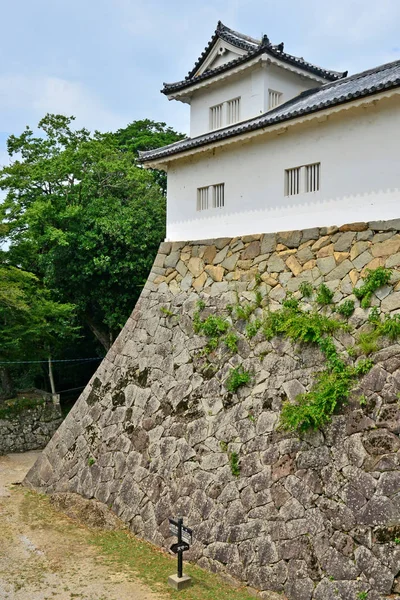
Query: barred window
x,y
233,107
202,198
211,196
303,180
216,116
274,98
292,183
218,196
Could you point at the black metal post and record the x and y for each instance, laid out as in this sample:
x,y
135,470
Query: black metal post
x,y
180,553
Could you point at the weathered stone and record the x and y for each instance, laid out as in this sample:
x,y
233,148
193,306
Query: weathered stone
x,y
291,239
387,248
252,250
326,265
294,265
216,273
209,254
354,227
381,442
313,458
391,302
275,264
341,270
344,241
392,225
196,266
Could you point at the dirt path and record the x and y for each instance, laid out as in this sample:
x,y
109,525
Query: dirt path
x,y
42,559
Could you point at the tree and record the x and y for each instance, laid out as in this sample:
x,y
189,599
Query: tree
x,y
32,326
83,217
148,135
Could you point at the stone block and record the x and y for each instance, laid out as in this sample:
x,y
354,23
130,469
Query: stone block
x,y
179,583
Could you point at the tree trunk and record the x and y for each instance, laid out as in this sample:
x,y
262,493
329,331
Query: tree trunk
x,y
7,384
104,337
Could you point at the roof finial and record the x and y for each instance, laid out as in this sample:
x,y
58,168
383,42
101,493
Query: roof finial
x,y
219,26
265,40
280,47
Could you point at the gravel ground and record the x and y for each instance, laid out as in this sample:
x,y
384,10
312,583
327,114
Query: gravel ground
x,y
50,559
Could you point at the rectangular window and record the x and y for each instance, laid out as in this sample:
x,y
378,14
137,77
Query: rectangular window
x,y
304,179
233,108
218,196
292,181
211,196
202,198
274,98
216,116
313,177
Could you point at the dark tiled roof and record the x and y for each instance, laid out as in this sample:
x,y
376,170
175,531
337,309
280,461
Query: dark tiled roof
x,y
331,94
253,48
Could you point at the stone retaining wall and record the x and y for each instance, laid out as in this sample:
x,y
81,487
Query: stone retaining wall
x,y
31,429
313,517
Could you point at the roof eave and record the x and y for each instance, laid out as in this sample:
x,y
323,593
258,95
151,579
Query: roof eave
x,y
283,124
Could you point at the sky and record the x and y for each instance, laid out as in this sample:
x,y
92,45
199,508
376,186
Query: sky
x,y
104,61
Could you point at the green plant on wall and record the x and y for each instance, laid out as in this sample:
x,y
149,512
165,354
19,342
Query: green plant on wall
x,y
333,384
306,289
324,295
372,282
236,378
346,308
234,463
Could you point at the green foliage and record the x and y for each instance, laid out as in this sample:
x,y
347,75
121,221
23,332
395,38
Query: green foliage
x,y
368,342
388,327
258,279
31,323
363,400
397,541
201,304
231,341
83,217
306,289
346,309
243,312
252,328
251,417
290,302
213,327
234,463
362,595
258,298
91,461
324,295
374,316
143,135
374,280
313,410
224,446
10,409
165,311
298,325
331,390
237,377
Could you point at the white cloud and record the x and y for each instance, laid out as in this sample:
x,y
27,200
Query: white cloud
x,y
28,98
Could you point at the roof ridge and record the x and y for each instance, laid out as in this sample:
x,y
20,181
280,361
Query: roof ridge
x,y
361,74
248,38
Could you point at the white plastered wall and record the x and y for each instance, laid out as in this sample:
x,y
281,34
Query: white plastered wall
x,y
249,87
360,177
287,83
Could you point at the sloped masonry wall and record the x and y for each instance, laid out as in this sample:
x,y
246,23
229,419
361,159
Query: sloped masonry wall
x,y
312,517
